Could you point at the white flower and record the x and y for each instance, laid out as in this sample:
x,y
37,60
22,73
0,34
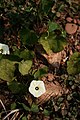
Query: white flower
x,y
37,88
4,49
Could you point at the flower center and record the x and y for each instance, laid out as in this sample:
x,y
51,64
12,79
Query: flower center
x,y
36,88
1,50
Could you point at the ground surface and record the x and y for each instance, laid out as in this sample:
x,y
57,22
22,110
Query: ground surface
x,y
61,101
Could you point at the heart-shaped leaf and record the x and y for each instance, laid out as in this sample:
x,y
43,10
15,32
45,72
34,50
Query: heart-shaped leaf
x,y
46,5
73,65
34,108
44,42
56,43
46,112
26,54
52,43
24,106
7,69
23,54
24,66
13,106
17,87
52,26
28,37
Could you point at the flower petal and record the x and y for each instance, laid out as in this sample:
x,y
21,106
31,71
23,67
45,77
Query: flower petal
x,y
5,49
40,91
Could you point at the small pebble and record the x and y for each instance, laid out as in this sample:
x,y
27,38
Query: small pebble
x,y
58,14
78,21
75,21
69,19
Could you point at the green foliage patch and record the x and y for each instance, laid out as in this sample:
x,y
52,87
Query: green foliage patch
x,y
53,42
41,72
24,66
16,87
7,69
52,26
28,37
24,26
73,65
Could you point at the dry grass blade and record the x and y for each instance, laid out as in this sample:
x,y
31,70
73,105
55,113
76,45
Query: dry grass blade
x,y
13,111
3,107
15,116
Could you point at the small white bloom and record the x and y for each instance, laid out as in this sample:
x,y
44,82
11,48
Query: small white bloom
x,y
37,88
65,59
4,49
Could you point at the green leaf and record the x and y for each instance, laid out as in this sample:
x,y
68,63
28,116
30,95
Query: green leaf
x,y
15,18
34,108
1,56
46,5
24,118
40,72
52,26
13,58
26,54
17,87
44,42
24,66
24,35
25,107
7,69
32,38
23,54
56,43
13,106
16,51
52,43
73,65
14,87
46,112
28,37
